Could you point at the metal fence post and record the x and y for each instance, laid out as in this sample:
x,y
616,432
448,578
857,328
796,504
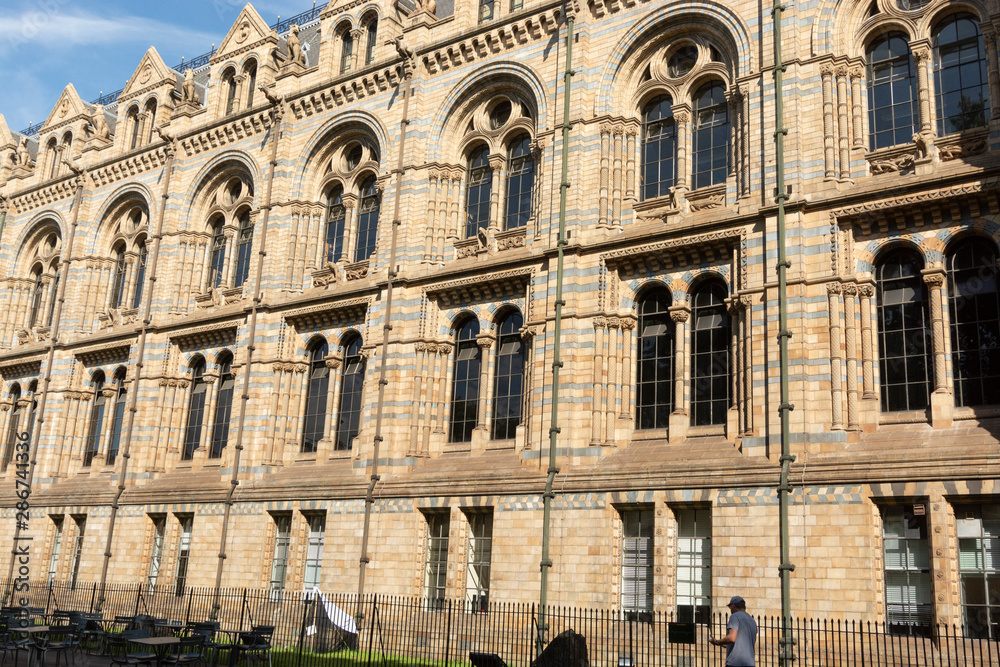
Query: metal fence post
x,y
371,630
93,594
447,634
243,607
302,628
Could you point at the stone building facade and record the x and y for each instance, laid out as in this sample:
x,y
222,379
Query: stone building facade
x,y
224,289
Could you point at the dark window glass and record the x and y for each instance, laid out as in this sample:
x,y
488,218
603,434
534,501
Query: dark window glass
x,y
134,119
243,249
520,182
500,114
13,427
196,411
183,555
53,295
508,385
974,305
351,394
516,4
336,215
465,383
319,384
960,85
346,52
485,10
96,424
436,572
477,576
710,146
230,81
904,337
682,61
372,29
892,111
223,409
655,374
218,255
251,74
116,425
659,148
367,221
37,292
118,282
479,190
140,276
710,340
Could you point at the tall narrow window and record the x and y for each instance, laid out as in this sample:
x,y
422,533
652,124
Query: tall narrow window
x,y
319,384
478,192
367,220
37,293
223,408
118,281
279,561
351,386
710,145
96,424
250,72
140,276
907,571
892,112
245,245
659,148
74,570
218,254
477,578
979,565
508,386
133,120
14,426
229,80
119,418
314,551
710,339
336,216
974,306
516,5
183,555
156,552
52,152
637,563
56,547
485,10
694,565
346,51
53,295
520,182
436,569
196,410
655,374
960,86
903,332
150,120
465,383
372,35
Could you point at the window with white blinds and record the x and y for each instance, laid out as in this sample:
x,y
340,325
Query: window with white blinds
x,y
436,572
314,550
694,565
907,570
979,562
477,586
637,561
279,561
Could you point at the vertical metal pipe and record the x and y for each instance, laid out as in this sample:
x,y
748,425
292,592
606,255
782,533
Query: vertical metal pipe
x,y
140,355
546,562
278,102
409,67
786,653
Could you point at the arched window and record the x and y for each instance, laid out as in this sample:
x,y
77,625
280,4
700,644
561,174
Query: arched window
x,y
659,148
119,417
53,156
243,248
520,182
485,10
229,79
655,372
346,50
710,340
336,217
480,187
372,34
150,119
140,276
133,120
250,74
710,147
218,254
960,85
508,386
465,382
196,410
37,293
903,332
118,281
53,294
96,424
974,305
892,112
319,385
13,427
351,385
223,407
367,220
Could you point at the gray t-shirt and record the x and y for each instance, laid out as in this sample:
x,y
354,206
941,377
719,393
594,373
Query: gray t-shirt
x,y
740,653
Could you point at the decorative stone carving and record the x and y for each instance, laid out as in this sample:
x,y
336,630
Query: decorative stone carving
x,y
189,92
99,124
976,146
901,163
295,54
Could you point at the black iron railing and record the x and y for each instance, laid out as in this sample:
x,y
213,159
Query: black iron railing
x,y
407,632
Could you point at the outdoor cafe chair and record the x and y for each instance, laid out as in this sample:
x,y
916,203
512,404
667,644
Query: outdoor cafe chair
x,y
257,644
190,651
123,652
60,640
11,645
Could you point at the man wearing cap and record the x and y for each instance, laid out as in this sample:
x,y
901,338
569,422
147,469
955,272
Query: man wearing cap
x,y
741,635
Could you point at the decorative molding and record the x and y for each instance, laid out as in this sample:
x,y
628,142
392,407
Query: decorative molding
x,y
352,311
221,334
128,167
852,214
686,251
488,287
228,133
22,368
344,92
117,351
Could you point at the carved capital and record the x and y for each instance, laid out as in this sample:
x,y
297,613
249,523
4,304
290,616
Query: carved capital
x,y
444,348
485,340
606,128
680,313
866,291
921,53
850,289
834,288
333,360
934,277
842,70
528,334
497,163
108,392
857,72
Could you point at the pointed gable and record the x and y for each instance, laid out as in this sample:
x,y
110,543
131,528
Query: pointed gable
x,y
151,73
248,32
69,107
6,138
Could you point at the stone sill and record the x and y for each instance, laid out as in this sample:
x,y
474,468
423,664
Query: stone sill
x,y
903,417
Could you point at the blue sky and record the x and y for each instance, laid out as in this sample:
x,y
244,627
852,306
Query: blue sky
x,y
96,45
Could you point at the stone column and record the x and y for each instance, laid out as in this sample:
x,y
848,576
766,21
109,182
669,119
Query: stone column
x,y
359,47
616,173
866,292
599,396
350,223
842,123
993,70
631,132
857,74
679,421
227,265
833,291
922,56
829,133
628,324
497,164
934,277
333,363
747,365
432,203
682,116
602,210
485,343
851,328
109,394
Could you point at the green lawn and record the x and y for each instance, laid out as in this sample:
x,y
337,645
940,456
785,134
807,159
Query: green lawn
x,y
288,657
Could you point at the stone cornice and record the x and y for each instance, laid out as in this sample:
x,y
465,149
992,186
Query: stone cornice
x,y
488,287
128,167
218,334
21,367
226,133
867,211
366,83
106,352
330,314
